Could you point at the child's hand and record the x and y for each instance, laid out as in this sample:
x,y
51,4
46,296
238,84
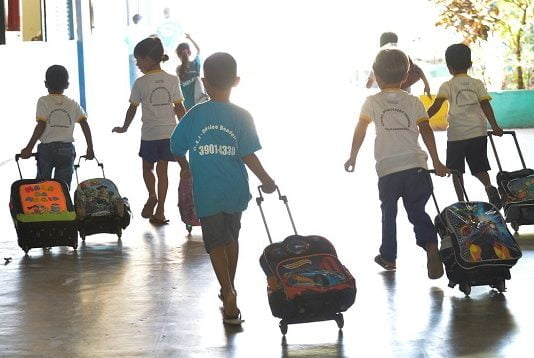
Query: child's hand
x,y
349,165
119,130
187,36
26,153
268,187
440,169
498,131
90,154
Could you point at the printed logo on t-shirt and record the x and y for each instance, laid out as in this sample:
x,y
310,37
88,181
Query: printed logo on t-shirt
x,y
204,148
59,118
160,96
466,97
395,119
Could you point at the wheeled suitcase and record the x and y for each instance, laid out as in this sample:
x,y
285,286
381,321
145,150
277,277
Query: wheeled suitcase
x,y
306,282
516,189
99,206
476,247
42,213
186,204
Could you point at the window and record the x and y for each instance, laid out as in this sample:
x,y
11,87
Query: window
x,y
36,20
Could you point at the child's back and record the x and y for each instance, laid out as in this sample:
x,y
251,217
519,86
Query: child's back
x,y
465,117
396,144
219,134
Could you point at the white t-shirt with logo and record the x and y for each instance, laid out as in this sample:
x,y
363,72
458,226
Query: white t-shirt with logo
x,y
396,115
466,118
157,92
60,114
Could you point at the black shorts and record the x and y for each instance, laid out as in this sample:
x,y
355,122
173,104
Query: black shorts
x,y
153,151
220,229
474,150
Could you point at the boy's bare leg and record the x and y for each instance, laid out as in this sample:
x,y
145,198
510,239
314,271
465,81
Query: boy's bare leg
x,y
232,253
458,181
163,184
221,266
149,178
484,178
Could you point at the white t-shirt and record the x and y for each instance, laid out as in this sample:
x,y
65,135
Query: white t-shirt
x,y
60,114
466,118
396,115
157,91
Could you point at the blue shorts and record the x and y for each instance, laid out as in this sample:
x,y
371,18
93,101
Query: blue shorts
x,y
220,229
153,151
474,150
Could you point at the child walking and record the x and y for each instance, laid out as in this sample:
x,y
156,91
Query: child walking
x,y
189,74
221,140
400,163
56,117
469,108
415,73
161,101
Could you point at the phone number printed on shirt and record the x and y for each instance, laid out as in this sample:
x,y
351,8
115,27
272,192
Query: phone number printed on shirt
x,y
208,149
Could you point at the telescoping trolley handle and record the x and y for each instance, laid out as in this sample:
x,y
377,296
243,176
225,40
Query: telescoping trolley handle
x,y
456,175
260,199
17,157
76,166
491,134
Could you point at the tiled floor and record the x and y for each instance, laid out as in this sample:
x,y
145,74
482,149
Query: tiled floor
x,y
153,293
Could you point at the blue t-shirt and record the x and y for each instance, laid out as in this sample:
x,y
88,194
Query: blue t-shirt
x,y
188,83
217,135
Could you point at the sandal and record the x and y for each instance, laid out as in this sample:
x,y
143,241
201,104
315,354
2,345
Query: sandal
x,y
387,265
148,209
157,221
233,320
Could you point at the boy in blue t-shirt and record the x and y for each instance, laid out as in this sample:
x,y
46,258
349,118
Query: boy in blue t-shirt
x,y
221,139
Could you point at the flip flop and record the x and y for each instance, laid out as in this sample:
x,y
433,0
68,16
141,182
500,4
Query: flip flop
x,y
233,321
148,209
389,266
157,221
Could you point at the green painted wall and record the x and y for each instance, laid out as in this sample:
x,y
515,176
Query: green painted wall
x,y
514,109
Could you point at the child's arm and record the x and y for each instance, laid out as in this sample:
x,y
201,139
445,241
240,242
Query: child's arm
x,y
179,110
488,111
430,142
89,154
425,81
184,167
37,133
370,80
435,107
357,140
253,163
188,36
130,114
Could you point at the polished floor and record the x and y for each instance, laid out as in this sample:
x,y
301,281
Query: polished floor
x,y
153,293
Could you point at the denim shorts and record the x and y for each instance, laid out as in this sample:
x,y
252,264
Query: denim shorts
x,y
58,157
153,151
472,150
220,229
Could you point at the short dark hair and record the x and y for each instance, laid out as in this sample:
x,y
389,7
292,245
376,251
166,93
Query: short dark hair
x,y
458,57
182,46
391,64
57,78
220,70
152,48
388,38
